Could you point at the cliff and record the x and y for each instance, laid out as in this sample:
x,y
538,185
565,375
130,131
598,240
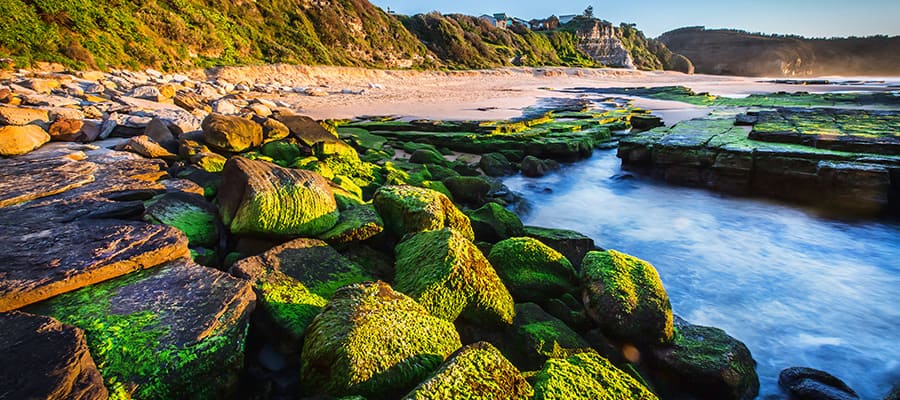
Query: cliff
x,y
731,52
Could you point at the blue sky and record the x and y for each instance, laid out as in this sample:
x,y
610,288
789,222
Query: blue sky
x,y
812,18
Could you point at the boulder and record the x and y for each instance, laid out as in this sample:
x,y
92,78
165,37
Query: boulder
x,y
625,297
374,342
44,359
65,129
536,336
306,129
23,116
471,190
144,146
707,363
493,223
645,122
261,198
409,209
571,244
427,156
475,371
534,167
531,270
190,213
22,180
17,140
496,164
355,224
229,133
586,376
812,384
176,331
448,275
273,130
282,151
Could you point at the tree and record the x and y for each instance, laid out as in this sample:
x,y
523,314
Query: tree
x,y
589,12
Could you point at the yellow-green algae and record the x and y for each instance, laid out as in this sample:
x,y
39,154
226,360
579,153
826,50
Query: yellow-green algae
x,y
373,341
537,336
477,371
355,225
447,274
626,297
532,270
188,213
408,209
586,376
493,223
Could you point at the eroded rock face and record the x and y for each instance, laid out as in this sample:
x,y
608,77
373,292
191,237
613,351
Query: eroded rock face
x,y
44,359
599,40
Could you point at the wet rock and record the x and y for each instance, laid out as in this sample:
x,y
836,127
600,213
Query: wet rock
x,y
536,336
375,342
190,213
409,209
586,376
471,190
812,384
234,134
17,140
707,363
449,276
23,116
355,224
571,244
493,223
261,198
534,167
306,129
427,156
44,359
176,331
477,370
496,164
625,297
644,122
531,270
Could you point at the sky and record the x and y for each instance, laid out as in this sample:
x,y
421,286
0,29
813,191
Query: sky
x,y
810,18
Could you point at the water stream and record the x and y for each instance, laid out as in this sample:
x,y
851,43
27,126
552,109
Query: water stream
x,y
797,288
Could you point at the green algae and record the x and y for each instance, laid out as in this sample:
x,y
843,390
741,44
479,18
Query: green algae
x,y
447,274
780,99
408,209
532,270
493,223
290,304
190,214
537,336
284,152
626,297
586,376
355,225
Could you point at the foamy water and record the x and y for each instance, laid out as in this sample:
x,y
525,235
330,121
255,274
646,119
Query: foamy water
x,y
798,289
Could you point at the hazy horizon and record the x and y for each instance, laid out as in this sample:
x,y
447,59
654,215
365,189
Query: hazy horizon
x,y
809,18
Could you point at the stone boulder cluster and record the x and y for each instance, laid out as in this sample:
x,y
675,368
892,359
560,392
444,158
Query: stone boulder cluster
x,y
163,245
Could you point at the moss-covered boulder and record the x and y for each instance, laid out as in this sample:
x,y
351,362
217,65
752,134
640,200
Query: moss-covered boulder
x,y
231,133
439,173
375,342
355,225
189,213
447,274
707,363
586,376
534,167
282,151
493,223
477,371
496,164
408,209
571,244
293,281
261,198
536,336
625,297
427,156
469,190
175,331
531,270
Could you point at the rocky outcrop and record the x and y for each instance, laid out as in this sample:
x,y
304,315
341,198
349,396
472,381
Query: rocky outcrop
x,y
598,39
44,359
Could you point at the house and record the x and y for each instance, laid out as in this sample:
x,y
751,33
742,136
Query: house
x,y
519,21
565,19
544,24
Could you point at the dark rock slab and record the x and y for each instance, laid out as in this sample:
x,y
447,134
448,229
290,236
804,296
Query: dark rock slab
x,y
44,359
307,130
21,180
812,384
571,244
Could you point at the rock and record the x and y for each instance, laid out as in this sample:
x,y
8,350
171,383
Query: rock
x,y
176,331
408,209
17,140
150,93
475,371
66,130
146,147
190,101
44,359
374,342
427,156
306,129
260,109
58,258
293,281
531,270
571,244
534,167
445,273
812,384
160,133
282,151
22,180
493,223
645,122
23,116
894,394
586,376
536,336
470,190
209,161
274,130
355,224
261,198
190,213
234,134
496,164
42,85
707,363
625,297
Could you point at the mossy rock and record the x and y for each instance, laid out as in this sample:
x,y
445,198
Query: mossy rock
x,y
716,364
355,224
448,275
209,161
189,213
571,244
439,173
471,190
375,342
293,281
427,156
531,270
408,209
536,336
493,223
231,133
282,150
477,371
625,297
586,376
263,199
496,164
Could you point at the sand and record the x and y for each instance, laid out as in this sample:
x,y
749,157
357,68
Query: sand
x,y
476,95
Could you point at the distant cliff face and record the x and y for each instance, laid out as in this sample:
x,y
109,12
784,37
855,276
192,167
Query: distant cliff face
x,y
729,52
599,40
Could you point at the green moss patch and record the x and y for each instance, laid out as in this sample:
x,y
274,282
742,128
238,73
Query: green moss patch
x,y
408,209
189,213
493,223
355,225
537,336
586,376
531,270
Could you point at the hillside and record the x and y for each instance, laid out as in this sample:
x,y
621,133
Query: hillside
x,y
183,34
732,52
